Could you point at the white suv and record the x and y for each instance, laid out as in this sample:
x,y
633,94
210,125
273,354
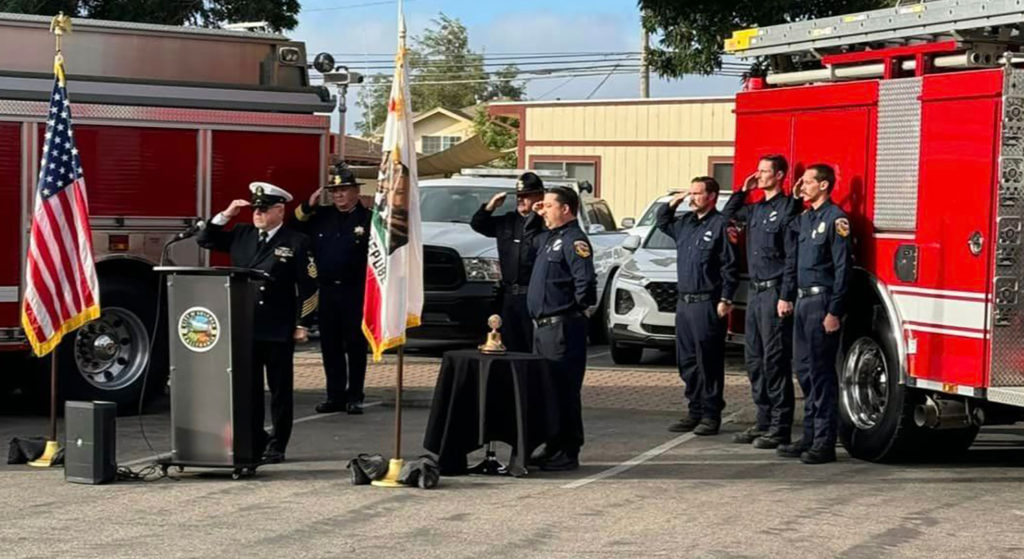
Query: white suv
x,y
641,304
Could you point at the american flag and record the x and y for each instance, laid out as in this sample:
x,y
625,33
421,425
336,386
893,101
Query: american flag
x,y
61,289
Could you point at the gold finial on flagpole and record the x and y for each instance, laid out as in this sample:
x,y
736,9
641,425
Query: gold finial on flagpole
x,y
59,25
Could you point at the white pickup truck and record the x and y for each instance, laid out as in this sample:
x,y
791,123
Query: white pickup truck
x,y
460,266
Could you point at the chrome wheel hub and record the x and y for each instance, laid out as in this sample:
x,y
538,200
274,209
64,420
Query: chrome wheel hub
x,y
864,384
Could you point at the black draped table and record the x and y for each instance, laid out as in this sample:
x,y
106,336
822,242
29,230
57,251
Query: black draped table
x,y
482,398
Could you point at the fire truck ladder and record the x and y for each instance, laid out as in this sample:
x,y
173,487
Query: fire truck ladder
x,y
987,21
913,39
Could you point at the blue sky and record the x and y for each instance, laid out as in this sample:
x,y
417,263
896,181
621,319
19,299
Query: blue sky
x,y
342,26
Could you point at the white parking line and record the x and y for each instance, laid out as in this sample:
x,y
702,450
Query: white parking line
x,y
637,460
596,355
157,457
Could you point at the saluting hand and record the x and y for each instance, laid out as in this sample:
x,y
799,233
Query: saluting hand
x,y
235,207
831,323
538,206
314,198
496,201
678,199
750,183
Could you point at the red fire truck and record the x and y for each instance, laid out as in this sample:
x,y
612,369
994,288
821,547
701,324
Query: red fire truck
x,y
172,123
921,110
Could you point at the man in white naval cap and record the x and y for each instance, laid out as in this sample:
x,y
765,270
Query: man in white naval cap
x,y
286,300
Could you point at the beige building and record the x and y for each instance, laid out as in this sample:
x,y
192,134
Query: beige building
x,y
631,150
439,129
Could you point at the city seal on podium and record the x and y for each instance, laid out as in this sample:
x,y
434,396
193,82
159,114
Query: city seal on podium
x,y
198,329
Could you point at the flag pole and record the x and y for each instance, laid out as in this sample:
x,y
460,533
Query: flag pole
x,y
398,403
58,26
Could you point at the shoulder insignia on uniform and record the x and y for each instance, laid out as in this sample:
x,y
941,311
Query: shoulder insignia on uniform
x,y
582,248
843,227
311,268
283,252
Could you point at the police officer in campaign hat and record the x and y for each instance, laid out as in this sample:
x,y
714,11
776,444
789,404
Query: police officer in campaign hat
x,y
821,265
286,299
340,234
563,285
768,335
515,232
706,269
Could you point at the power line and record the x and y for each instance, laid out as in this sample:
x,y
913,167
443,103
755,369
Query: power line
x,y
622,72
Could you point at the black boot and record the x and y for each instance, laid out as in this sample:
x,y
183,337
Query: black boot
x,y
707,427
819,455
684,425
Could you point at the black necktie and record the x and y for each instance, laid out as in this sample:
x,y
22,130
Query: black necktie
x,y
263,240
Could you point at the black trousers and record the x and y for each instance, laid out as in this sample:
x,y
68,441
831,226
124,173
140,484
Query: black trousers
x,y
342,342
768,340
564,343
277,359
700,355
815,352
516,325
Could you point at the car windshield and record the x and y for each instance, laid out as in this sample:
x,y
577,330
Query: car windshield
x,y
647,220
457,204
658,240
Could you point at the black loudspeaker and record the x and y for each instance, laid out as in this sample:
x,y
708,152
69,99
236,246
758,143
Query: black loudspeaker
x,y
90,451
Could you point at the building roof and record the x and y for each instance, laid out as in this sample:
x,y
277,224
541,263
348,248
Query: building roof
x,y
360,150
627,101
456,114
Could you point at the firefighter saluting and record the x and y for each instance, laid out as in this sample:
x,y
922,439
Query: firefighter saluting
x,y
286,299
339,235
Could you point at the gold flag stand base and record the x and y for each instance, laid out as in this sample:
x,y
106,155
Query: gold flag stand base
x,y
46,460
391,479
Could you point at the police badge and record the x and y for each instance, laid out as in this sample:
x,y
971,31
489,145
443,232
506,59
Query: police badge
x,y
359,231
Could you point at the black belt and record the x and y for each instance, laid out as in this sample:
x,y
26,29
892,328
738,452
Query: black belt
x,y
549,320
808,291
764,285
513,289
690,298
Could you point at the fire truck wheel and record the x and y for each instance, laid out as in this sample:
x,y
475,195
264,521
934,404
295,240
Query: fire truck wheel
x,y
875,412
107,359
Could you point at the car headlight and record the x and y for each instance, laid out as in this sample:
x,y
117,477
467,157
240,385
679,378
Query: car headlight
x,y
482,269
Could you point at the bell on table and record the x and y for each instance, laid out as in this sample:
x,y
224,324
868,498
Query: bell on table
x,y
493,345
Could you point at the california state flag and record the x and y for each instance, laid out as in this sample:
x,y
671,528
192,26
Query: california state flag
x,y
394,272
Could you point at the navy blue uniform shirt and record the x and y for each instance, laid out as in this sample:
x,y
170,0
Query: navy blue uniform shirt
x,y
563,278
339,241
767,227
705,257
822,257
515,234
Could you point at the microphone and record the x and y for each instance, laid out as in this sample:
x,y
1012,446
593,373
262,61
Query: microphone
x,y
197,226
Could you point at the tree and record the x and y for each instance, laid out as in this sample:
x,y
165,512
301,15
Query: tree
x,y
691,32
450,75
280,15
499,134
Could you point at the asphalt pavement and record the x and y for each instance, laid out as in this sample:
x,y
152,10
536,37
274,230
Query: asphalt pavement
x,y
641,491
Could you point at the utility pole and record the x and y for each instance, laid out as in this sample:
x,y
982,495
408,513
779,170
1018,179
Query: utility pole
x,y
645,68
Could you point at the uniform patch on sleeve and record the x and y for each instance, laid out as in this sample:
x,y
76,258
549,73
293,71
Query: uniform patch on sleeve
x,y
843,227
582,248
311,268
